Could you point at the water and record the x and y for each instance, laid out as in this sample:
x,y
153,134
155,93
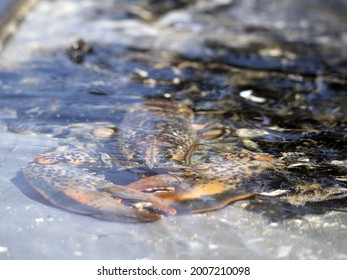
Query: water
x,y
273,73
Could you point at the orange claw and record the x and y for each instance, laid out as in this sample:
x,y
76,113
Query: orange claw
x,y
80,192
193,191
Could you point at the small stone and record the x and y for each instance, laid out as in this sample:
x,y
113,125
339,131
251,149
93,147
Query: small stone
x,y
3,249
39,220
250,133
248,94
77,253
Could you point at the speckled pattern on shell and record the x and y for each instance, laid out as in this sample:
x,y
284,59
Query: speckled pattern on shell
x,y
156,132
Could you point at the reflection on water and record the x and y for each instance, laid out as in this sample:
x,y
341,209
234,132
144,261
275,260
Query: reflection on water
x,y
276,88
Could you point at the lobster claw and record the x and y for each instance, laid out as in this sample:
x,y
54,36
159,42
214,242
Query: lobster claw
x,y
81,192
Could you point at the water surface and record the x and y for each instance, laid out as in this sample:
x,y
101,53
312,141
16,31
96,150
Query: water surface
x,y
249,66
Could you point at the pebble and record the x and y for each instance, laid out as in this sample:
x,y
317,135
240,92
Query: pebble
x,y
39,220
3,249
248,94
